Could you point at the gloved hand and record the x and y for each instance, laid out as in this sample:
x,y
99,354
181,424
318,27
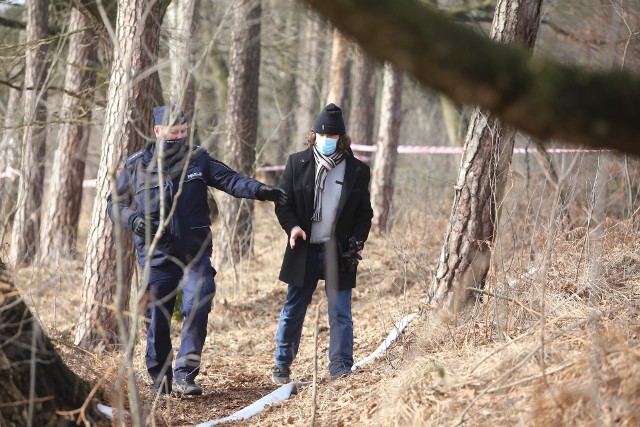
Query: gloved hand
x,y
273,194
354,248
350,258
140,226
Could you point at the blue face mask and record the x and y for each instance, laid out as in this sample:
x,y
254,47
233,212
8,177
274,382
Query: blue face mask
x,y
326,145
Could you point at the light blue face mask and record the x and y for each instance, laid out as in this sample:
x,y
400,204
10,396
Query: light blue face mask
x,y
326,145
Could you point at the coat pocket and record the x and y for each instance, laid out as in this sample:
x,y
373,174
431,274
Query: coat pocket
x,y
199,221
148,199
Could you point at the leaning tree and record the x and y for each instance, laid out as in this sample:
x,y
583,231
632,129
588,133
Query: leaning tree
x,y
479,191
37,387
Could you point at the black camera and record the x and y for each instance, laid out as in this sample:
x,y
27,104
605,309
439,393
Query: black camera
x,y
350,258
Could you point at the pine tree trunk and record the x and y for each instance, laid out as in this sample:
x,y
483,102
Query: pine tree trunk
x,y
286,136
384,168
60,222
9,158
363,99
340,73
187,14
10,142
311,56
36,383
236,215
466,254
26,225
109,259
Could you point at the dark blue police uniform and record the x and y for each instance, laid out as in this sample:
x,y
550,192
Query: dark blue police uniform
x,y
182,255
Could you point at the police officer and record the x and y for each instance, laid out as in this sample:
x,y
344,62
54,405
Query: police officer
x,y
162,198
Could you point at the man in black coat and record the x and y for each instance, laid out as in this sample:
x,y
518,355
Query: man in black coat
x,y
162,199
327,219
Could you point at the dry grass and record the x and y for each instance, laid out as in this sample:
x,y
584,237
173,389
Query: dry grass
x,y
513,361
559,347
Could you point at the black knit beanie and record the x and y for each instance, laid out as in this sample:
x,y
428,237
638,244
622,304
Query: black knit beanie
x,y
330,121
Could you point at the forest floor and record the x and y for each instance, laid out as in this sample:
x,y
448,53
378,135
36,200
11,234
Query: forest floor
x,y
558,346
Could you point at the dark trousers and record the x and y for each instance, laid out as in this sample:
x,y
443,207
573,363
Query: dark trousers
x,y
198,290
294,311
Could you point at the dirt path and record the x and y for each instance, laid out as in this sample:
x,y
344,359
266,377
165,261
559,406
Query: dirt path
x,y
238,354
482,364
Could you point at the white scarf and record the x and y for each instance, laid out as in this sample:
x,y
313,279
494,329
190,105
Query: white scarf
x,y
323,165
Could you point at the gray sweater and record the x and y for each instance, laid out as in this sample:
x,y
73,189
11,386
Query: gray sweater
x,y
322,231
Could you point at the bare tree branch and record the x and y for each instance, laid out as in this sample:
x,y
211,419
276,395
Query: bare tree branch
x,y
10,23
537,95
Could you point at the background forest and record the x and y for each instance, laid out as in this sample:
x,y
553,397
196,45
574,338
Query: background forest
x,y
523,264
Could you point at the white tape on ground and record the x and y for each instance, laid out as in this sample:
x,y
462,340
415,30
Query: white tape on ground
x,y
524,276
107,410
287,390
393,335
275,396
284,392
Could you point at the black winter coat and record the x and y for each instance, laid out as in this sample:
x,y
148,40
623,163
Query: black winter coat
x,y
188,234
353,217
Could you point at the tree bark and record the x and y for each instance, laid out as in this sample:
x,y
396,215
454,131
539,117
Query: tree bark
x,y
109,259
466,254
597,109
236,215
37,386
26,225
308,85
60,222
9,157
363,99
291,30
187,14
384,168
340,73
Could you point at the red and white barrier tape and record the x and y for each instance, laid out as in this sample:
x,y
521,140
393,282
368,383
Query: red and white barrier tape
x,y
270,168
432,149
9,172
404,149
421,149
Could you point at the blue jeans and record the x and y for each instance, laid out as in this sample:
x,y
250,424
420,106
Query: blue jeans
x,y
198,290
295,309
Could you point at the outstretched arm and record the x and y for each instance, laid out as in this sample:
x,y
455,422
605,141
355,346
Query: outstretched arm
x,y
223,178
231,182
